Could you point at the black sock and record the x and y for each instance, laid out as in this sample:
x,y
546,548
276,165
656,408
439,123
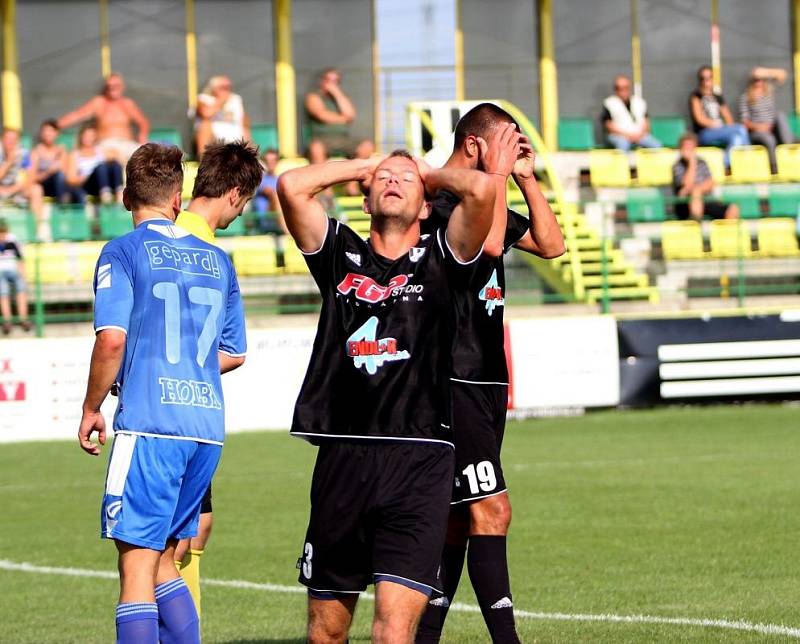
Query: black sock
x,y
488,571
432,622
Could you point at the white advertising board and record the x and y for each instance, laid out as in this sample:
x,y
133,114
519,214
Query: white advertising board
x,y
43,382
564,362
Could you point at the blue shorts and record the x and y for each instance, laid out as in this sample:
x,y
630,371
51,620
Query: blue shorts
x,y
9,280
154,487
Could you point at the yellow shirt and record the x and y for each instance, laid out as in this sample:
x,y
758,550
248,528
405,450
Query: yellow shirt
x,y
196,225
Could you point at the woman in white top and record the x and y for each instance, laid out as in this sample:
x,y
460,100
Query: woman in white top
x,y
220,114
90,171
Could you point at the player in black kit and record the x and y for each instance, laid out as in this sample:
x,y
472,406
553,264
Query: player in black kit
x,y
376,395
481,512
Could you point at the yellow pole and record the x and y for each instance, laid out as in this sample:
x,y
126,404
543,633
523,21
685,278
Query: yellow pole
x,y
716,58
284,79
636,50
377,122
459,55
191,55
796,52
12,90
105,43
548,79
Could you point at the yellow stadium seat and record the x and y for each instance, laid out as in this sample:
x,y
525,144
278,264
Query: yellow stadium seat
x,y
254,256
54,264
750,164
730,238
189,175
682,240
654,166
788,157
777,238
715,160
293,259
290,164
609,168
347,202
86,255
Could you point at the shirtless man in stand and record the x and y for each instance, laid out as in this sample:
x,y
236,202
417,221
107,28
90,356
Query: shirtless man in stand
x,y
114,114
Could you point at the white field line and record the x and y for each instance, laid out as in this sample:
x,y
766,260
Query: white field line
x,y
736,625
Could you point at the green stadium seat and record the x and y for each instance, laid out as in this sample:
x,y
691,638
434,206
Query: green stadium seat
x,y
265,136
668,129
794,123
576,134
784,200
645,204
67,138
21,223
26,141
167,135
69,223
114,221
746,197
237,228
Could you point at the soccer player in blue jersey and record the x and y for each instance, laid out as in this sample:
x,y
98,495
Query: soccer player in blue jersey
x,y
168,320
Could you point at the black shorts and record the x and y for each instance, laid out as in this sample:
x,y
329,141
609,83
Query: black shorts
x,y
205,504
378,513
479,422
711,209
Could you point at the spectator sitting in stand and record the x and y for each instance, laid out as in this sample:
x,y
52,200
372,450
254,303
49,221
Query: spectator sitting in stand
x,y
15,186
266,198
220,114
330,112
767,125
625,118
12,275
691,178
48,162
711,117
114,114
91,171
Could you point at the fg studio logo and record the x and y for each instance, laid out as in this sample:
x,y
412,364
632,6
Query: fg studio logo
x,y
371,353
492,294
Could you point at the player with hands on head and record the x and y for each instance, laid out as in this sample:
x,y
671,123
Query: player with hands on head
x,y
487,139
376,395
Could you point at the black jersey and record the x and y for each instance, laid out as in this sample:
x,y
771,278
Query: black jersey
x,y
478,344
381,358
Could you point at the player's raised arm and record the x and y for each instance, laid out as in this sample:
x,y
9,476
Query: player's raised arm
x,y
472,217
297,190
544,239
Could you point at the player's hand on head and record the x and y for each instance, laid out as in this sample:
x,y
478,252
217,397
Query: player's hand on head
x,y
423,167
500,155
523,167
92,421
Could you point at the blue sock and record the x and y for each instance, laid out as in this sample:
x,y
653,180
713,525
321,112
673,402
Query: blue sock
x,y
177,617
137,623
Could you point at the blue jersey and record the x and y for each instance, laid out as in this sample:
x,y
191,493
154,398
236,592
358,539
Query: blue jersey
x,y
177,299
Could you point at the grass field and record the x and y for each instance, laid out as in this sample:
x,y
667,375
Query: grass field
x,y
673,513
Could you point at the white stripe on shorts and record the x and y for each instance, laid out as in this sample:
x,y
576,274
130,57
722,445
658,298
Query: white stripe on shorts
x,y
121,456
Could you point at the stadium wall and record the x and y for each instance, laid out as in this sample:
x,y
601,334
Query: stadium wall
x,y
559,365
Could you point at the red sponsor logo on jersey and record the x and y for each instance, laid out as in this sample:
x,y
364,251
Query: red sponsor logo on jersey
x,y
367,289
371,347
493,293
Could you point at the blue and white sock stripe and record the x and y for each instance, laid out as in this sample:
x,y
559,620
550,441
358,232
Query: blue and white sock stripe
x,y
141,610
170,587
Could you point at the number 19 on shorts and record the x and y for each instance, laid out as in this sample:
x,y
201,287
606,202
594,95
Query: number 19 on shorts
x,y
481,477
